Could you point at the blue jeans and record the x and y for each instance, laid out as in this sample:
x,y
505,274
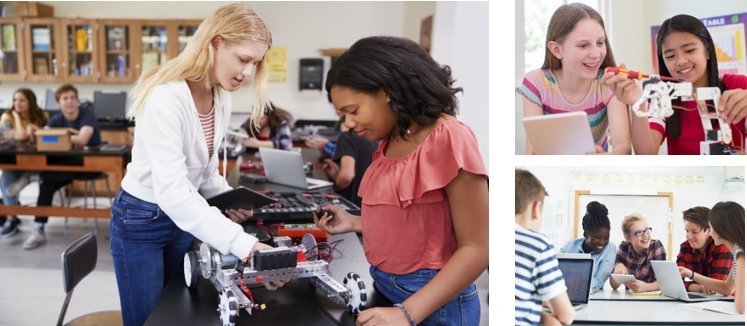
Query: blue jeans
x,y
147,248
464,309
8,177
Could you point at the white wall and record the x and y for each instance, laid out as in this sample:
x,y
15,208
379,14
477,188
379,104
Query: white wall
x,y
559,184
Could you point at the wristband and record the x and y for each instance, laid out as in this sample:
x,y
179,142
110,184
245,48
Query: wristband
x,y
692,275
409,318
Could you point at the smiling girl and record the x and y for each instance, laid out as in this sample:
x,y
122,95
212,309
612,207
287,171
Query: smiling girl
x,y
685,51
596,225
635,253
700,253
569,81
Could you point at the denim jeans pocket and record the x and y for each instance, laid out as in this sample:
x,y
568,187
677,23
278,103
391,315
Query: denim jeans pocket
x,y
413,282
469,303
139,212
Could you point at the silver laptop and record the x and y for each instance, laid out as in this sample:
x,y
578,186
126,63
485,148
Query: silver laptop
x,y
560,134
286,168
670,283
578,272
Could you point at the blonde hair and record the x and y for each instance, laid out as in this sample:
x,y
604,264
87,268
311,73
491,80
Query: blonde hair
x,y
629,220
235,23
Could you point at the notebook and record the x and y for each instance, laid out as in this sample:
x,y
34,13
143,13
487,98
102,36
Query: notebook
x,y
670,283
560,134
578,272
286,168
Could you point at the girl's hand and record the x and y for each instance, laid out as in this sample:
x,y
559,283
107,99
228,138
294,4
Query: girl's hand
x,y
272,285
331,169
733,105
684,272
317,142
382,316
239,215
626,90
251,142
599,151
620,269
700,288
340,222
15,114
636,286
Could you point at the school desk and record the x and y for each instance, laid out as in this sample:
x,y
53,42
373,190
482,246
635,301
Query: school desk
x,y
610,307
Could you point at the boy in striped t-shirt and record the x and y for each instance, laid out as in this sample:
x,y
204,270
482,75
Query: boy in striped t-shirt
x,y
538,277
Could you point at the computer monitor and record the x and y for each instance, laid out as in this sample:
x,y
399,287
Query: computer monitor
x,y
109,106
50,103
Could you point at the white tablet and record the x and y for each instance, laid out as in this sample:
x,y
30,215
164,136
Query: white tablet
x,y
560,134
620,278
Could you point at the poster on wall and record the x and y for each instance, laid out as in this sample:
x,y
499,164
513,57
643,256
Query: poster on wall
x,y
728,33
277,64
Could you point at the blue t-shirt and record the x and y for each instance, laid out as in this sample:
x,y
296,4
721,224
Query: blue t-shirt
x,y
85,118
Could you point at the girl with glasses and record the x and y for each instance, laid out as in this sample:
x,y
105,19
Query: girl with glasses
x,y
635,253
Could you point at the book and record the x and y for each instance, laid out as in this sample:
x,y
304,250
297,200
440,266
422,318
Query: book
x,y
40,38
9,37
724,307
647,294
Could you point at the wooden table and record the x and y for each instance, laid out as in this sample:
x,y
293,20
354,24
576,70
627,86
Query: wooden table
x,y
77,160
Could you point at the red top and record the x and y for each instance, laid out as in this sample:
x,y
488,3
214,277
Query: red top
x,y
406,217
692,128
715,262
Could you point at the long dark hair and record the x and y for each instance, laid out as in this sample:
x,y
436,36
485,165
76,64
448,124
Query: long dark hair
x,y
727,219
419,88
275,116
691,25
36,114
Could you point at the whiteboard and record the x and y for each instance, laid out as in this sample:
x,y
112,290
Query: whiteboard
x,y
655,209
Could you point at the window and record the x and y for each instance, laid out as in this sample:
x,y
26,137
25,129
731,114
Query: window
x,y
537,14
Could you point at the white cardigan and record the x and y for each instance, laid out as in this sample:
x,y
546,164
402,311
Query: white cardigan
x,y
170,166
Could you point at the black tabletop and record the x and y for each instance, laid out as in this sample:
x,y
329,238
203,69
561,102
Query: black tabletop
x,y
99,150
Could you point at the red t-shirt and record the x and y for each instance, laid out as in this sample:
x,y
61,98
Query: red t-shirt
x,y
406,217
692,128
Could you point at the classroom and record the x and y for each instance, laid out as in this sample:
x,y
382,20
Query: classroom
x,y
664,203
556,82
224,163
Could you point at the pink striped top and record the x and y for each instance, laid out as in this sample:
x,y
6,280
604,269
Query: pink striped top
x,y
208,127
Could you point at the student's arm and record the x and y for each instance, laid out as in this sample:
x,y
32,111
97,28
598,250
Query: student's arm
x,y
739,296
562,309
256,143
646,141
606,265
83,136
346,174
617,113
530,109
19,132
725,287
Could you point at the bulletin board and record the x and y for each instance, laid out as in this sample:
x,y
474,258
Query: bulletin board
x,y
656,209
728,33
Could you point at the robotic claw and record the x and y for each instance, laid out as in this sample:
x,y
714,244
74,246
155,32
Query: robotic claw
x,y
659,92
229,275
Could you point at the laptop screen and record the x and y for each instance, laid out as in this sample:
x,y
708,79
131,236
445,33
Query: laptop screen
x,y
577,274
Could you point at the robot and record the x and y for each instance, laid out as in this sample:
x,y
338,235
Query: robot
x,y
659,92
230,275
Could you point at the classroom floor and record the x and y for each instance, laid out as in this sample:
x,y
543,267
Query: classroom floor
x,y
31,289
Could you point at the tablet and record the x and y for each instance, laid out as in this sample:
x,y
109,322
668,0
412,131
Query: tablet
x,y
560,134
620,278
241,197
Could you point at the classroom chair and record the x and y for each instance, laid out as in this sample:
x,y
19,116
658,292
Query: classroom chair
x,y
79,260
92,181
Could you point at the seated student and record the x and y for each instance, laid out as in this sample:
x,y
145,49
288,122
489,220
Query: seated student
x,y
635,253
273,130
89,134
700,253
352,156
727,228
23,118
322,143
538,277
596,240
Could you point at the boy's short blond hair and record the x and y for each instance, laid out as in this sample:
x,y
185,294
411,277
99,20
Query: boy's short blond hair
x,y
629,220
528,190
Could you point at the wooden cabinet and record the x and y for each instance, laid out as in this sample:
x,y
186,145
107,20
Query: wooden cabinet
x,y
118,51
42,49
79,59
11,44
88,50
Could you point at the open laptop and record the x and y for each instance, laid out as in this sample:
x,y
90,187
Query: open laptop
x,y
286,168
578,272
670,283
560,134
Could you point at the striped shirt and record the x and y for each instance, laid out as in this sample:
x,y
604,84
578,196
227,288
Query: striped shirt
x,y
208,127
737,250
639,265
538,277
540,86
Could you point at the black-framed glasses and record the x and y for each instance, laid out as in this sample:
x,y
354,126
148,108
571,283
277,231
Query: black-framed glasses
x,y
641,232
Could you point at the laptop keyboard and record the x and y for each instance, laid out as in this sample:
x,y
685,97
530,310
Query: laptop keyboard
x,y
695,296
